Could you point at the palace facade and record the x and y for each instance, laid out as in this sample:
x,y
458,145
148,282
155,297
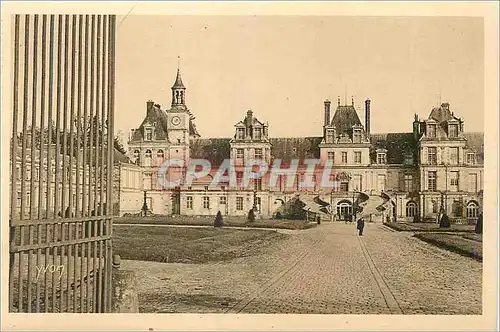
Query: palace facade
x,y
436,166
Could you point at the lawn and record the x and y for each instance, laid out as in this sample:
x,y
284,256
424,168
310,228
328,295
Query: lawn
x,y
429,227
209,221
189,245
464,244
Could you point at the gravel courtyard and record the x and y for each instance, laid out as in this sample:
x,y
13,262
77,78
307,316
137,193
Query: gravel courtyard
x,y
326,269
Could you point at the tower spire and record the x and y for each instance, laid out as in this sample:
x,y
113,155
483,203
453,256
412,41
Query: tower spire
x,y
178,89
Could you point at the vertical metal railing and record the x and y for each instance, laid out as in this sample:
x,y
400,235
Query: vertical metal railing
x,y
62,163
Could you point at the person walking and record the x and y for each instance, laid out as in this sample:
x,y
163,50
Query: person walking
x,y
361,225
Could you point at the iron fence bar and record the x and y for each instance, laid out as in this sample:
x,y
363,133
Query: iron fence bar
x,y
79,115
65,123
91,117
41,157
84,120
98,126
103,118
32,157
49,159
57,171
19,248
14,149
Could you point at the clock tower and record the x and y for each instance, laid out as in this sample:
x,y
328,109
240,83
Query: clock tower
x,y
178,118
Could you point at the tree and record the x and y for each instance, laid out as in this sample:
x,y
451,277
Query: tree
x,y
251,216
479,225
218,220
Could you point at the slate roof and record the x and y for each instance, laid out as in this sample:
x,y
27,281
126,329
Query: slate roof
x,y
475,143
154,116
213,149
344,118
396,144
178,81
290,148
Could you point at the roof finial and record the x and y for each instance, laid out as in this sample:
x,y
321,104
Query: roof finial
x,y
178,63
352,100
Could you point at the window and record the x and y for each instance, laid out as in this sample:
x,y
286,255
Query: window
x,y
19,199
454,181
471,158
258,153
472,210
408,158
148,181
148,134
454,156
473,182
257,184
456,208
257,133
160,156
240,133
206,188
452,131
431,130
408,182
357,157
257,203
147,158
206,202
381,158
431,181
239,153
357,182
432,155
136,156
239,177
411,209
239,203
381,182
189,202
222,200
344,186
344,157
356,136
329,136
331,155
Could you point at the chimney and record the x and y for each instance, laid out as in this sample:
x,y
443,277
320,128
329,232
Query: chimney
x,y
249,122
327,112
149,105
367,118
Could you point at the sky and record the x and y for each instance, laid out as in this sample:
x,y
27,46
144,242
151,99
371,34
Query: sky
x,y
284,67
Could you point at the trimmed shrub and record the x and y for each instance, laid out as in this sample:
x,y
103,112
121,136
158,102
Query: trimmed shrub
x,y
218,220
479,225
278,215
251,216
445,221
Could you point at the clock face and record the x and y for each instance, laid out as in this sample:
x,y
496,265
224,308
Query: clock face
x,y
176,120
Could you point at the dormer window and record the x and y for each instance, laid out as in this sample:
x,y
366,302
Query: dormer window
x,y
257,133
356,136
240,133
452,131
148,134
329,136
471,158
381,157
408,158
431,130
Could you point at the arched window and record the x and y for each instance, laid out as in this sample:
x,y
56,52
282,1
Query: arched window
x,y
472,210
147,158
160,157
411,209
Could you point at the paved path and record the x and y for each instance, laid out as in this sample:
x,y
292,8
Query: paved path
x,y
327,269
279,230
